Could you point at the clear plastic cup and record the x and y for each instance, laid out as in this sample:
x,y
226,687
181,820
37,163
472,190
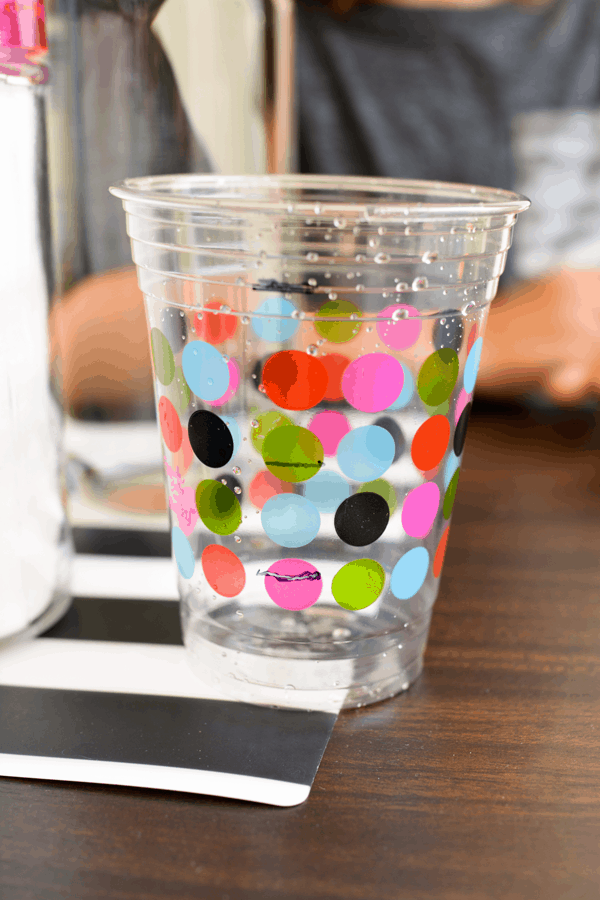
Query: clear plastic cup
x,y
315,345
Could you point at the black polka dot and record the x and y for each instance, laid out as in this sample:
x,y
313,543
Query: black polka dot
x,y
461,430
392,428
174,327
448,333
361,519
210,438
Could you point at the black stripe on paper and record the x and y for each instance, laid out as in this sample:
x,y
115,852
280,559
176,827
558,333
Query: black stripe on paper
x,y
206,735
124,621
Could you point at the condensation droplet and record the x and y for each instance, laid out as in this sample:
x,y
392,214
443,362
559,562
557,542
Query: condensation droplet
x,y
381,229
199,315
317,209
239,614
332,295
399,314
327,275
254,423
429,257
373,242
420,284
350,276
312,350
295,314
312,282
354,317
382,258
339,223
359,287
262,389
245,320
327,237
312,256
407,230
369,328
237,539
237,490
223,481
209,381
360,257
469,307
239,281
402,286
236,470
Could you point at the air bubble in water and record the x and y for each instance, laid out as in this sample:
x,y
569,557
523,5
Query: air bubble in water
x,y
332,295
237,490
254,423
360,257
223,481
290,208
359,287
382,258
327,236
327,275
399,314
354,317
312,282
402,286
262,389
373,242
420,284
295,314
317,209
469,307
245,320
350,276
312,350
339,223
237,539
381,230
236,470
239,281
407,230
429,257
301,315
199,314
210,381
239,614
369,328
312,257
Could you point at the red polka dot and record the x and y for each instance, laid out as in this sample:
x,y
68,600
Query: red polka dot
x,y
265,485
223,570
430,443
472,338
170,425
214,327
294,380
335,366
438,560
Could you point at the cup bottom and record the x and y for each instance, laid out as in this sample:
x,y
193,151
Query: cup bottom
x,y
336,665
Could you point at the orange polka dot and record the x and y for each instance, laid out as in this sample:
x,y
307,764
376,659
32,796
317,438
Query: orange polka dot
x,y
214,327
335,366
438,560
294,380
265,485
430,443
170,425
472,338
223,570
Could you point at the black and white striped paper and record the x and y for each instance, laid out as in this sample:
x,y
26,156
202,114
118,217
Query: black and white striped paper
x,y
106,696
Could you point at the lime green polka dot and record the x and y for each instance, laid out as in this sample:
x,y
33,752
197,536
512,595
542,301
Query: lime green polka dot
x,y
162,355
441,410
338,332
450,495
438,376
292,453
384,489
218,507
266,422
179,392
358,584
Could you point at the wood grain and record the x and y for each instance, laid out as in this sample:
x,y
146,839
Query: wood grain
x,y
482,782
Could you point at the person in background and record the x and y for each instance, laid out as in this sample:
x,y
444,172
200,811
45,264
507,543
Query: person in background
x,y
489,92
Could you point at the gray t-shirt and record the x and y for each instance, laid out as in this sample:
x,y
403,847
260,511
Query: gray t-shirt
x,y
505,96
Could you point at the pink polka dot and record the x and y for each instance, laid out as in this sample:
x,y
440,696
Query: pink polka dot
x,y
373,382
330,427
463,399
234,383
401,334
420,509
293,583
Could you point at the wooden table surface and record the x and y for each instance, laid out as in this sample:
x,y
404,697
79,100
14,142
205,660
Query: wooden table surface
x,y
482,781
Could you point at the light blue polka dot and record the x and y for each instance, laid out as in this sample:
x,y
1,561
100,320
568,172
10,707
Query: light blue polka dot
x,y
408,575
236,434
408,389
327,490
366,453
472,366
205,370
183,553
290,520
450,468
276,329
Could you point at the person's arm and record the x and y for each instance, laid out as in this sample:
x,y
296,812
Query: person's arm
x,y
544,336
